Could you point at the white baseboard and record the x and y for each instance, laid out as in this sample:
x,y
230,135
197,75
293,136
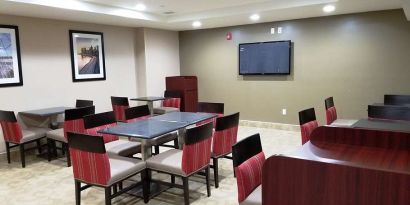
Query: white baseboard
x,y
270,125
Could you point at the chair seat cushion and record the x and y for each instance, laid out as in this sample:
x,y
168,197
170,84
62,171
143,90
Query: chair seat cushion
x,y
163,110
123,148
164,138
169,161
57,134
343,123
123,167
33,133
254,198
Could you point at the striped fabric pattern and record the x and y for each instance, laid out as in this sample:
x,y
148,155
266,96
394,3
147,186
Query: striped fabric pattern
x,y
76,126
213,120
11,132
196,156
107,137
172,102
90,167
307,129
137,119
223,141
249,175
119,112
331,115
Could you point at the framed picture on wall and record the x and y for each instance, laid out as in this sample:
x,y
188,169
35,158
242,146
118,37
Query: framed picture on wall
x,y
10,60
87,55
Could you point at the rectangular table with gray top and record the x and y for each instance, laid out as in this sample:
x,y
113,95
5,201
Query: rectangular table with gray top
x,y
150,102
50,113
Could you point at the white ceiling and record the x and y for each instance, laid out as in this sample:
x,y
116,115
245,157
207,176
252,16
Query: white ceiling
x,y
212,13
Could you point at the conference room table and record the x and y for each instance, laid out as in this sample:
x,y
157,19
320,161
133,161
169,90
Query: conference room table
x,y
150,102
387,125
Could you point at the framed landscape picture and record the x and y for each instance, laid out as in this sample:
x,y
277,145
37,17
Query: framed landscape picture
x,y
10,63
87,55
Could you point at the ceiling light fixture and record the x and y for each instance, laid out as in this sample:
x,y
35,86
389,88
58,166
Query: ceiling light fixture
x,y
140,7
329,8
255,17
196,24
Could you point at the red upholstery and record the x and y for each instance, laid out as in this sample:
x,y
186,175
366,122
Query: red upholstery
x,y
138,119
11,132
76,126
90,167
196,156
223,141
172,102
249,175
331,115
306,129
213,120
119,111
107,137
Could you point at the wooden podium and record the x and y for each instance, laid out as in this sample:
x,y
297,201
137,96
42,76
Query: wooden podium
x,y
188,87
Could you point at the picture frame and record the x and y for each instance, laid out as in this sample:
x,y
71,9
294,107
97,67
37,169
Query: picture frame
x,y
87,55
10,59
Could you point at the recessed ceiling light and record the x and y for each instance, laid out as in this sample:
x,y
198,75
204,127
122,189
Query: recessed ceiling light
x,y
329,8
196,24
140,7
255,17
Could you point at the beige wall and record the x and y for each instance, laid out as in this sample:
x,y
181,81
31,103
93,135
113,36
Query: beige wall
x,y
355,58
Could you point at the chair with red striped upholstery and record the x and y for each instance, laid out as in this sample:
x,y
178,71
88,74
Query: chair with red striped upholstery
x,y
119,105
225,135
134,114
113,145
214,108
331,115
15,136
94,167
73,122
172,103
193,158
248,159
307,121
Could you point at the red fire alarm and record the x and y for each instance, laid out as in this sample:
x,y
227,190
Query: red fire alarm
x,y
229,36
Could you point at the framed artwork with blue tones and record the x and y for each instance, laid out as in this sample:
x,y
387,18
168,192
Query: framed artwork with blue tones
x,y
10,60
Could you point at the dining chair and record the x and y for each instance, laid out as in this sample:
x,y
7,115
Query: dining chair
x,y
94,167
172,103
307,121
209,107
194,157
83,103
15,136
73,122
248,159
113,145
225,135
331,115
134,114
119,105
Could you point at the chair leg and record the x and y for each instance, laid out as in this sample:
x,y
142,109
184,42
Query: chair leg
x,y
208,185
39,146
49,144
55,148
114,188
146,185
63,148
216,173
176,145
107,195
156,147
186,190
173,179
120,186
22,156
77,192
68,155
8,152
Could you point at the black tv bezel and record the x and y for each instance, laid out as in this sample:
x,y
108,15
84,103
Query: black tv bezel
x,y
250,74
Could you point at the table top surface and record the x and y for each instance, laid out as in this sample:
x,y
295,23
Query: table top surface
x,y
390,105
46,111
391,125
188,118
149,99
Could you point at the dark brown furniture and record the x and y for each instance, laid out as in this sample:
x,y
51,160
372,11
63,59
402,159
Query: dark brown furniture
x,y
188,87
389,112
83,103
397,99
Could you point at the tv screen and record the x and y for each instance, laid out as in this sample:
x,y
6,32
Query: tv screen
x,y
266,58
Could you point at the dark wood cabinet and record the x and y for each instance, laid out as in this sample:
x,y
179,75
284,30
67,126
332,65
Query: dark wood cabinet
x,y
188,87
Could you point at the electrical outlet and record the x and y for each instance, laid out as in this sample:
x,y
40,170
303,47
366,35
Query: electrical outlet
x,y
272,31
284,111
279,29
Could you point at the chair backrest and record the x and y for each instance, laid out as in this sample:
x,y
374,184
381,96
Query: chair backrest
x,y
248,159
208,107
137,113
225,135
119,105
74,122
89,158
397,99
331,114
172,99
96,122
11,128
307,121
196,152
389,112
83,103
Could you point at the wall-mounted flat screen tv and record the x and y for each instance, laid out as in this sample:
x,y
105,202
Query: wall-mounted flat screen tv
x,y
265,58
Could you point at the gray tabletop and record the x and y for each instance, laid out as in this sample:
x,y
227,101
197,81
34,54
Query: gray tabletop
x,y
148,99
46,111
144,129
391,125
188,118
388,105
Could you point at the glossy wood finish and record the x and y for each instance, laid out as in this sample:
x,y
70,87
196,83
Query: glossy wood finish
x,y
188,87
341,166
